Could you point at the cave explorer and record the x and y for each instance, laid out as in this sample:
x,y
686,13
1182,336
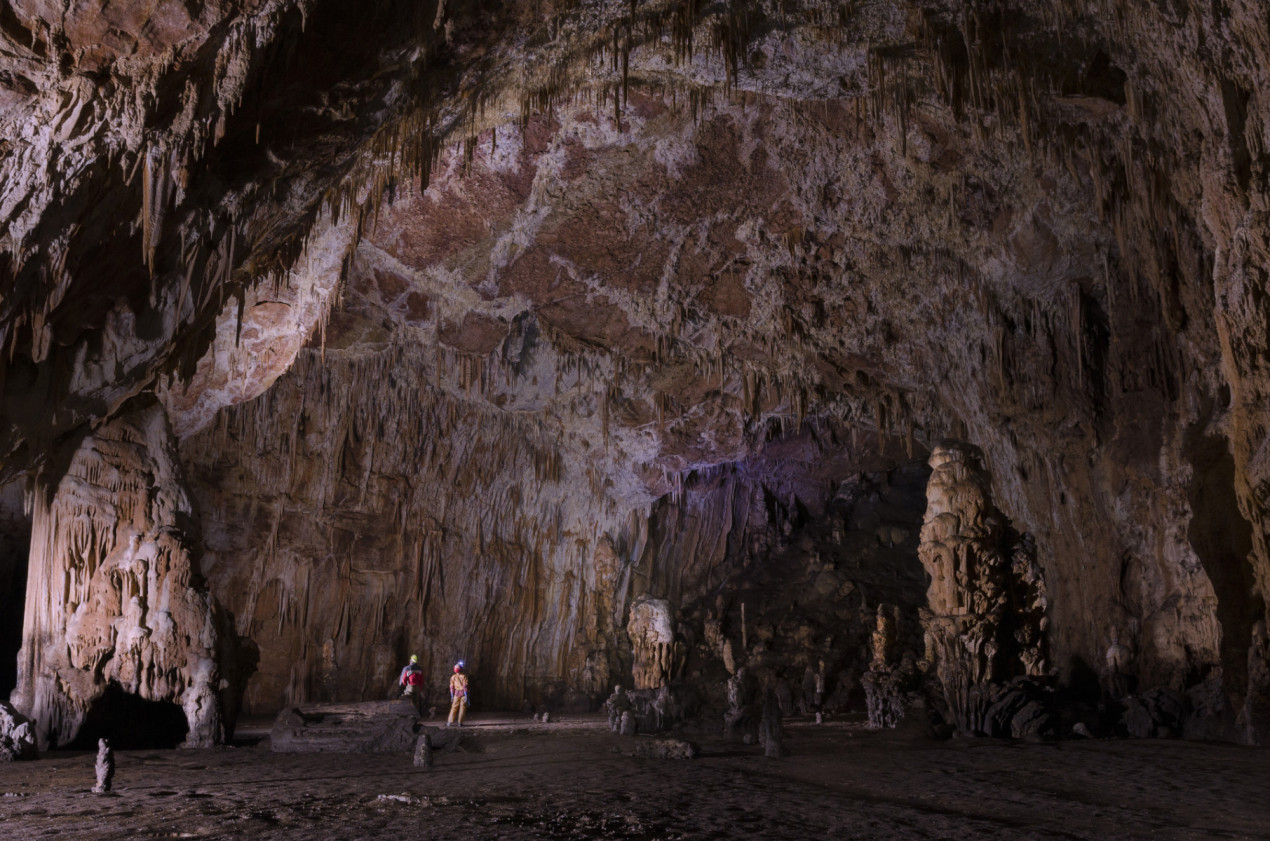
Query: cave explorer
x,y
412,679
458,695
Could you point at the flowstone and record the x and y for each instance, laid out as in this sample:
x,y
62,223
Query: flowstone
x,y
115,603
653,640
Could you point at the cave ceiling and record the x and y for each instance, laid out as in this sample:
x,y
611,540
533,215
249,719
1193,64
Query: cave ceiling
x,y
415,281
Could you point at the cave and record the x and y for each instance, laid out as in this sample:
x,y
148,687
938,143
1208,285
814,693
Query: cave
x,y
129,722
15,540
837,384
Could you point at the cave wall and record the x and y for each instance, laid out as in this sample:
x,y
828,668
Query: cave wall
x,y
355,515
767,261
1037,227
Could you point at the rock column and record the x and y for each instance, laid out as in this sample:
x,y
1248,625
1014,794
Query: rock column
x,y
985,617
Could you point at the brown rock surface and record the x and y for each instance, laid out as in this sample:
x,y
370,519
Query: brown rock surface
x,y
476,322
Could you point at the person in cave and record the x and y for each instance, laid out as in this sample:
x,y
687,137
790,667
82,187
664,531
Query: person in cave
x,y
412,679
458,696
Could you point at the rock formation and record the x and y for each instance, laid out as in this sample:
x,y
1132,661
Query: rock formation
x,y
385,727
464,336
115,602
424,756
665,749
653,641
17,735
985,620
104,767
889,675
771,734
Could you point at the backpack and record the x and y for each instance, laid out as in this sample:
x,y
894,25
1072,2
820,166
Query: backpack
x,y
415,679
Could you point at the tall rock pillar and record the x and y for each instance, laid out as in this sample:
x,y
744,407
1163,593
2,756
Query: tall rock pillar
x,y
985,616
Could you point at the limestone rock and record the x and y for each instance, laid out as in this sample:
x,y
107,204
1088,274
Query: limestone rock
x,y
383,727
987,614
890,676
652,636
116,608
1155,713
771,733
1022,709
105,767
424,752
17,735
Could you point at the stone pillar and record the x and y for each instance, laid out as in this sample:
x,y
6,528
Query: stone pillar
x,y
113,596
653,642
985,616
886,680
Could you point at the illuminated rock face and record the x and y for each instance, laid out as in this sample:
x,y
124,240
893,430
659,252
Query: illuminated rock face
x,y
653,642
656,304
115,602
985,618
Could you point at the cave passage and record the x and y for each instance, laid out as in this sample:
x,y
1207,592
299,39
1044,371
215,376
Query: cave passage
x,y
131,722
13,573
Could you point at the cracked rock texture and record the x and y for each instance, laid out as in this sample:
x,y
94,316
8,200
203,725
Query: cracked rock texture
x,y
498,318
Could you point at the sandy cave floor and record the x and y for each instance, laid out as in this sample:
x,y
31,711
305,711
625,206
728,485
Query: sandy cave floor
x,y
515,779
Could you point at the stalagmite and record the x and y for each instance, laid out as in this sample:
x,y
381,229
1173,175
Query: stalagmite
x,y
986,602
105,767
17,735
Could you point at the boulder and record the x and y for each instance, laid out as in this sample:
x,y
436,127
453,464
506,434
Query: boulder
x,y
17,735
376,727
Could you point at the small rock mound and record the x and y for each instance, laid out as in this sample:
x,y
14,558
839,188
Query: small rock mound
x,y
665,749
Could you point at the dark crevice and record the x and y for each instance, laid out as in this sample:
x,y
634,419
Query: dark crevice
x,y
13,574
1222,539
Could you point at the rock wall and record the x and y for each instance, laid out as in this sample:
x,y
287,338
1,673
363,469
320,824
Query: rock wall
x,y
115,608
513,559
676,235
440,528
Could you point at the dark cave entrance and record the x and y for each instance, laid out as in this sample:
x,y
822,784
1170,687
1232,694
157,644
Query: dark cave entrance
x,y
131,722
789,558
13,567
15,549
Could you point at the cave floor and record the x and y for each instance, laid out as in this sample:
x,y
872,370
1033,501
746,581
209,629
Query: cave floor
x,y
573,779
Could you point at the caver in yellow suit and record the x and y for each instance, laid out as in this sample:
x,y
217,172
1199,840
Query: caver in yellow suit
x,y
458,695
